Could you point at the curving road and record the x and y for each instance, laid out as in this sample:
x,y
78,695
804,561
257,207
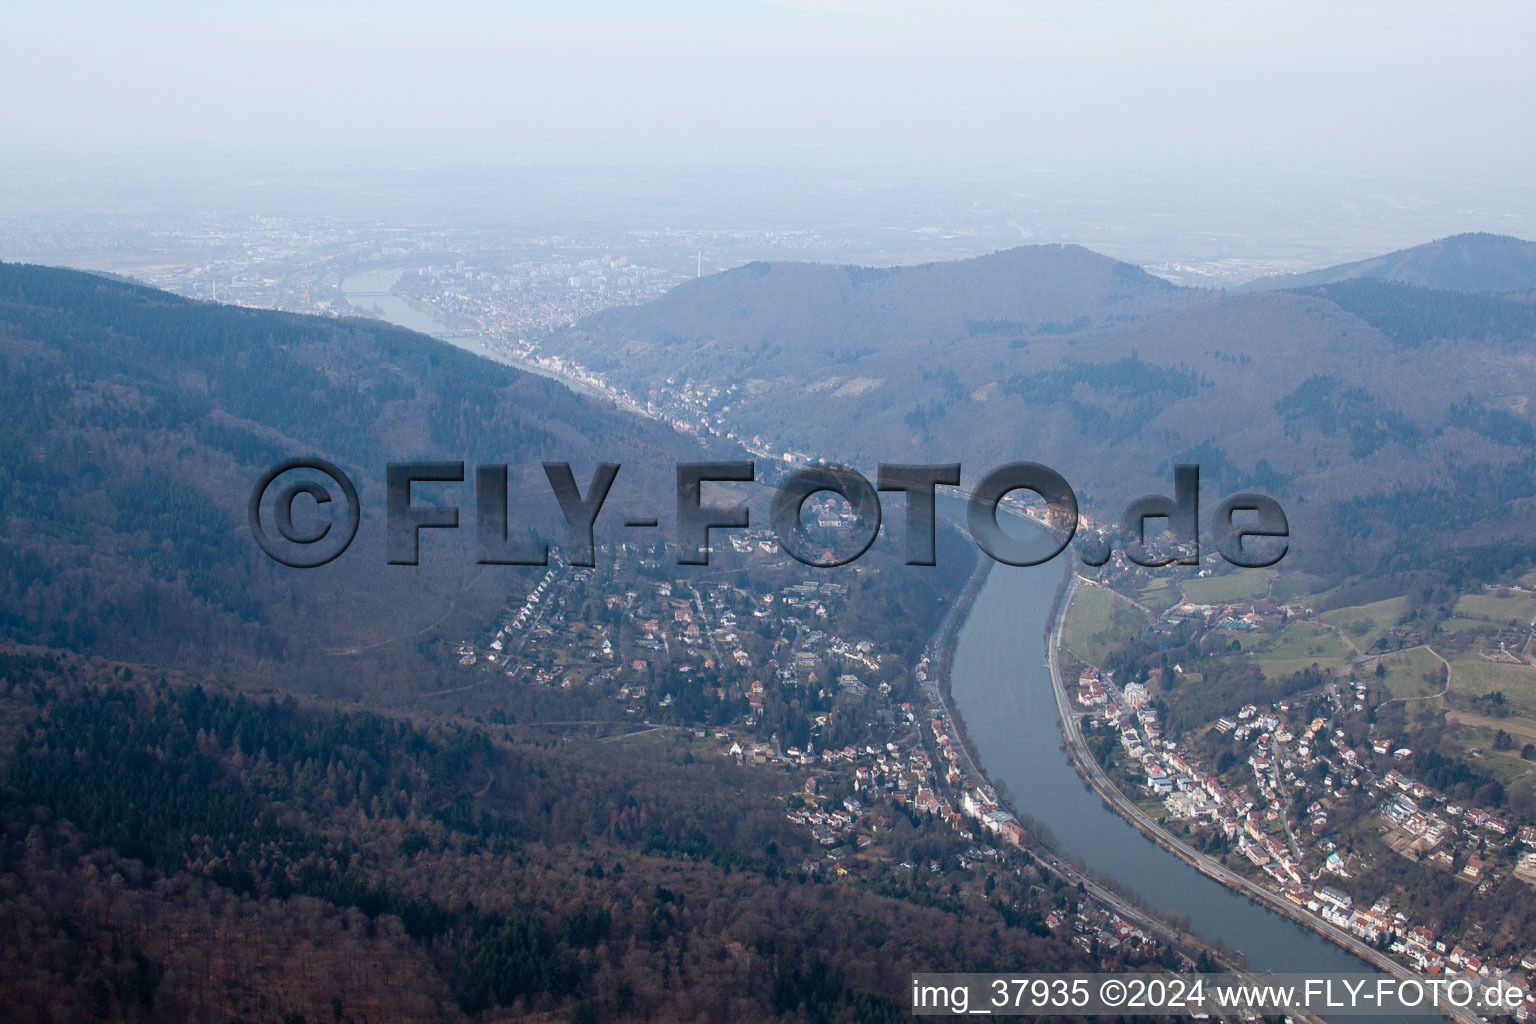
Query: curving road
x,y
937,651
1089,769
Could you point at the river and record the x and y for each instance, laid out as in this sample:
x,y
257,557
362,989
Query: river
x,y
1002,689
370,293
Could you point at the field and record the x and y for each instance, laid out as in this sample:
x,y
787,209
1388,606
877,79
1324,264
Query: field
x,y
1296,587
1296,647
1097,620
1242,585
1410,674
1160,594
1413,676
1506,767
1477,732
1492,609
1460,624
1473,675
1522,729
1366,623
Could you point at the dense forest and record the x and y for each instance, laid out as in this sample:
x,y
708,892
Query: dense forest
x,y
233,791
168,845
203,838
133,424
1414,316
1474,261
1346,396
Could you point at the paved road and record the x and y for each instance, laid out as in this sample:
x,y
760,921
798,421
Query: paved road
x,y
1069,726
1043,855
1089,768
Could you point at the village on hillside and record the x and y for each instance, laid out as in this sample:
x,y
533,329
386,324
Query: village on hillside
x,y
1377,764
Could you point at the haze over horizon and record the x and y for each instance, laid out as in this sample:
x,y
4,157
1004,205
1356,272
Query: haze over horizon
x,y
1258,123
328,695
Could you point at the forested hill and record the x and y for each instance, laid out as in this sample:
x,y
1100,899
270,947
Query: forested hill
x,y
1472,262
796,317
134,424
1391,419
171,850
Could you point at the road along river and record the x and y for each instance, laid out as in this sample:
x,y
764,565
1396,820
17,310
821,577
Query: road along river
x,y
1001,688
1000,684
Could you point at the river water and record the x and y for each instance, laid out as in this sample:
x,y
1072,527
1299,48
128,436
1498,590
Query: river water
x,y
1002,689
370,294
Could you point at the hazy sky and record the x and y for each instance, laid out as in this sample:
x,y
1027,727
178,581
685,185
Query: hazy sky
x,y
1302,88
1161,132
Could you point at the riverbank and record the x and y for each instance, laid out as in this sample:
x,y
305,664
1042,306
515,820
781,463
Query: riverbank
x,y
1090,771
372,295
941,653
1009,692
